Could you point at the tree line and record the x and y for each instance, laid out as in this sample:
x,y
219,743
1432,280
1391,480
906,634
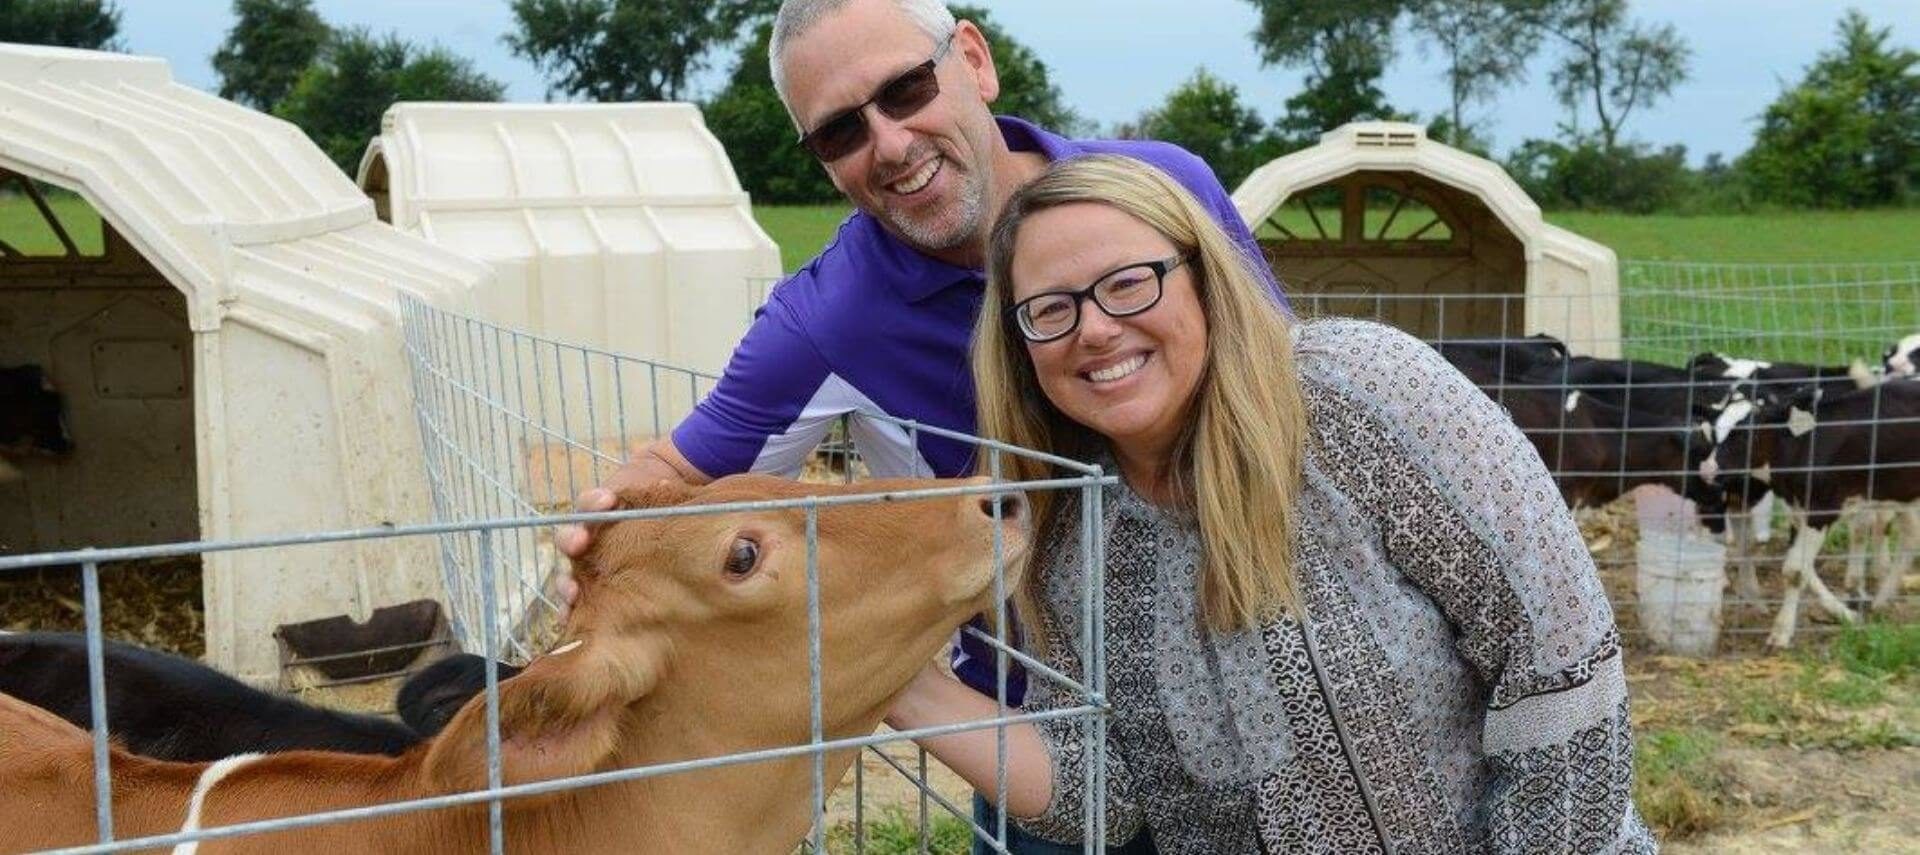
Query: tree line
x,y
1847,134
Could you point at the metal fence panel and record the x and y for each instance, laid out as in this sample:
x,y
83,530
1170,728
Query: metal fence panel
x,y
515,425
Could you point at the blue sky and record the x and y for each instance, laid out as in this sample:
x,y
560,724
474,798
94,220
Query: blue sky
x,y
1113,58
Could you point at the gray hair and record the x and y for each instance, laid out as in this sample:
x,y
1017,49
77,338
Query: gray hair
x,y
796,17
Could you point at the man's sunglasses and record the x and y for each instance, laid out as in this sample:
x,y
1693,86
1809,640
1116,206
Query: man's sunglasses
x,y
901,97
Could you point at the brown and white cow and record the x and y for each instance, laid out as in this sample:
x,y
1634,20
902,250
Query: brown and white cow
x,y
688,640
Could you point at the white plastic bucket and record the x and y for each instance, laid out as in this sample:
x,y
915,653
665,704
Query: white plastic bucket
x,y
1681,578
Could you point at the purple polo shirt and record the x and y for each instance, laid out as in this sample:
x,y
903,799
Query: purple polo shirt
x,y
871,325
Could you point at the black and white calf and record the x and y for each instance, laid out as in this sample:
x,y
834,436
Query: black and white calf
x,y
1599,452
1650,387
1781,383
1823,458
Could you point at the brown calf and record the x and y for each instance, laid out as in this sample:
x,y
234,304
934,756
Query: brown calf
x,y
688,640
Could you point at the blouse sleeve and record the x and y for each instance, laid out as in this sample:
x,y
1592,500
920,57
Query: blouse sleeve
x,y
1470,514
1064,819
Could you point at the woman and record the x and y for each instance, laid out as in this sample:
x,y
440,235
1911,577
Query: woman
x,y
1345,609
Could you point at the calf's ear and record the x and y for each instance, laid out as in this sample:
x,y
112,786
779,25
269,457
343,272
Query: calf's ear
x,y
561,716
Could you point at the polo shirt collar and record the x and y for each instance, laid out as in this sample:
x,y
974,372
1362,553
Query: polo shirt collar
x,y
917,276
1022,135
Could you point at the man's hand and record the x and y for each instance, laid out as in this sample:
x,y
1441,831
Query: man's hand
x,y
659,461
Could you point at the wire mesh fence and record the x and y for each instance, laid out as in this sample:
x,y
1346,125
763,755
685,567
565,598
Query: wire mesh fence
x,y
519,424
1820,314
1776,399
513,425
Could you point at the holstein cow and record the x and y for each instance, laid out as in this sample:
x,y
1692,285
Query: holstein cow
x,y
1858,446
1649,387
688,639
1630,448
171,708
1599,451
1783,383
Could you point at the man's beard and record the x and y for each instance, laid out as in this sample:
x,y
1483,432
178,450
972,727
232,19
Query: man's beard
x,y
969,208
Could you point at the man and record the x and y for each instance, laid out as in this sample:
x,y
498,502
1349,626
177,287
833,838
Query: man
x,y
891,96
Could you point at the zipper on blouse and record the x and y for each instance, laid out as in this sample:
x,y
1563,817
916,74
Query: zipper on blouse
x,y
1340,730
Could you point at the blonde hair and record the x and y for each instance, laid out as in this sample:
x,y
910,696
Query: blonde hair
x,y
1237,464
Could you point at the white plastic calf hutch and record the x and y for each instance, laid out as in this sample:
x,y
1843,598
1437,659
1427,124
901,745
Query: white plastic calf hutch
x,y
612,226
1377,220
226,341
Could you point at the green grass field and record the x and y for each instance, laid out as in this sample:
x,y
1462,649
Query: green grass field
x,y
800,230
1778,238
23,228
1837,301
1792,237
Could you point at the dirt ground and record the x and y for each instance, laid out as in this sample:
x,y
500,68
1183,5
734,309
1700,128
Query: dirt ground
x,y
1795,754
1816,800
154,604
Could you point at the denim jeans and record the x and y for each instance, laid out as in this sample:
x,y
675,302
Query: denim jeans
x,y
1022,843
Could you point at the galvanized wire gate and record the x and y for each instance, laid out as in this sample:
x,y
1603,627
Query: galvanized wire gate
x,y
518,424
513,426
1841,317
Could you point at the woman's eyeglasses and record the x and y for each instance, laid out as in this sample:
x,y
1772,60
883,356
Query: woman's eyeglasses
x,y
901,97
1127,291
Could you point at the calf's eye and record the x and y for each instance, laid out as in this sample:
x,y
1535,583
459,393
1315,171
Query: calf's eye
x,y
742,558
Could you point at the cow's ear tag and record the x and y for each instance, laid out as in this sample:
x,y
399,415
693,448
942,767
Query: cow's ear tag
x,y
1799,421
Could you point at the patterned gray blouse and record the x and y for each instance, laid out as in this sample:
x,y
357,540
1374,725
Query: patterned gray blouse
x,y
1456,686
